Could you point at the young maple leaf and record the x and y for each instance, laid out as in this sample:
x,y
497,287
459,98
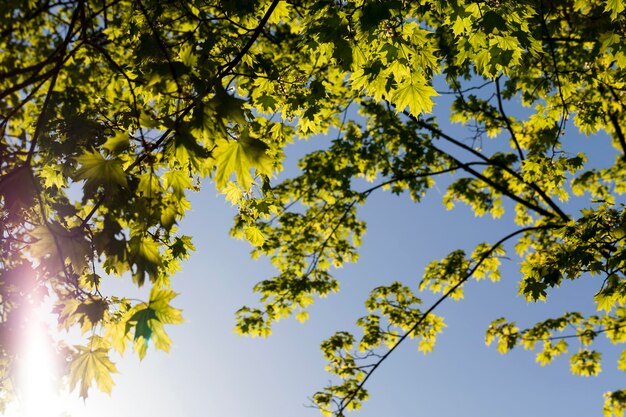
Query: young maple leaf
x,y
89,365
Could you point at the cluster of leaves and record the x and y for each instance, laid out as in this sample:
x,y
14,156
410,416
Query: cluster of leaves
x,y
563,62
393,316
111,112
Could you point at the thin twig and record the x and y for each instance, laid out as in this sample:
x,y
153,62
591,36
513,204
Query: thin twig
x,y
348,400
505,168
507,120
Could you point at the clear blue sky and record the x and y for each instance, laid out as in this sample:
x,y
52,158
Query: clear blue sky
x,y
211,371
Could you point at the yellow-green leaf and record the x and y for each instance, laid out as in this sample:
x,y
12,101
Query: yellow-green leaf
x,y
178,181
116,144
239,157
614,7
90,365
98,170
415,94
160,303
233,192
254,235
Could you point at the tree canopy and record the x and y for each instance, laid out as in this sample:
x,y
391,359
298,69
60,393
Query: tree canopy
x,y
113,111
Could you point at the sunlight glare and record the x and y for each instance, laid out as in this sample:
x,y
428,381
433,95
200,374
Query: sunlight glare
x,y
37,396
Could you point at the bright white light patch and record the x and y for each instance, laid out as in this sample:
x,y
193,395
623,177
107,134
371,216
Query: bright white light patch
x,y
36,373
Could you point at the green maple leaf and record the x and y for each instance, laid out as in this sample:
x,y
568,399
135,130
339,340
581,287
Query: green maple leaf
x,y
533,290
168,217
89,365
116,144
586,363
233,193
147,258
254,235
415,94
621,363
97,170
52,176
615,7
240,157
142,320
181,247
228,107
267,102
178,181
52,237
160,304
91,312
148,321
118,332
461,26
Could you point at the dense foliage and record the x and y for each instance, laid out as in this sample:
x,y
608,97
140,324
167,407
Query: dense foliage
x,y
112,111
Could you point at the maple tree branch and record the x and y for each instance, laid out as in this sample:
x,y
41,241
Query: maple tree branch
x,y
348,400
421,175
55,73
130,83
568,336
615,122
318,253
365,194
505,191
162,47
41,118
22,103
507,121
618,132
31,80
557,74
464,90
437,132
166,135
34,67
257,32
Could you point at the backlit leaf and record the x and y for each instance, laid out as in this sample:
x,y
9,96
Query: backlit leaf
x,y
415,94
239,157
97,170
91,365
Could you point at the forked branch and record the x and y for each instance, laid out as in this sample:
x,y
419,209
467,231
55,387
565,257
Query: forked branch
x,y
344,403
